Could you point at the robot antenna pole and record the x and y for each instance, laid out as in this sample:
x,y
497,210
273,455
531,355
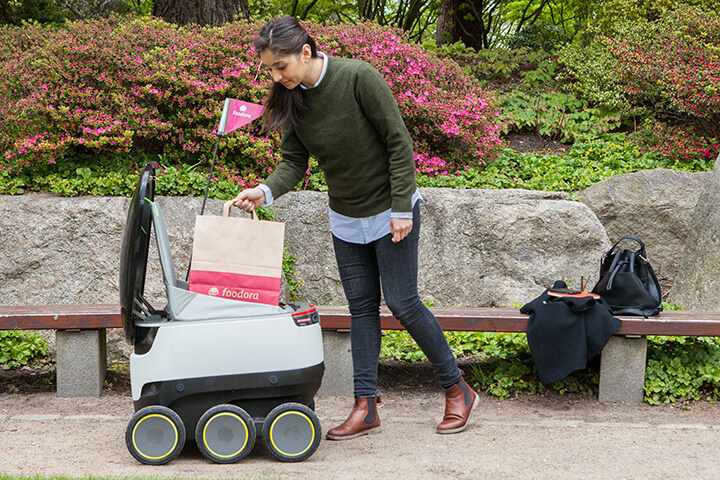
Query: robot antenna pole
x,y
212,166
207,189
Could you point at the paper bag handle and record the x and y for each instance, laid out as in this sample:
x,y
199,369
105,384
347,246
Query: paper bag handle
x,y
228,205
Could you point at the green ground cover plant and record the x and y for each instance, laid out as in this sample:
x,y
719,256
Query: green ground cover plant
x,y
18,348
554,114
586,163
679,369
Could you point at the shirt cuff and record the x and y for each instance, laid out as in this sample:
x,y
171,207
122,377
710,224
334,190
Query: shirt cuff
x,y
401,214
268,195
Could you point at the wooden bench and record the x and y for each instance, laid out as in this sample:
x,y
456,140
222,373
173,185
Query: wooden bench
x,y
81,348
623,360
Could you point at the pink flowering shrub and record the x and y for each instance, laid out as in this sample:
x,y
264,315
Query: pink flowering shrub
x,y
672,66
128,86
142,86
681,146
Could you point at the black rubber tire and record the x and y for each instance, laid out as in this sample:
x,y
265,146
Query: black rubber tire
x,y
291,432
225,434
155,435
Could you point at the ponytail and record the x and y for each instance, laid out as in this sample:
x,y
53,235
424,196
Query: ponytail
x,y
283,37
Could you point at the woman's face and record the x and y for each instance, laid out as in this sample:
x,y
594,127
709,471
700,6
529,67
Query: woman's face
x,y
289,71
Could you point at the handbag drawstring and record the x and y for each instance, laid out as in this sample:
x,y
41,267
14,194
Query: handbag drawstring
x,y
614,272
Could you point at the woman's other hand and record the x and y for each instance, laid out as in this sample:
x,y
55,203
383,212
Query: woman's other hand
x,y
400,228
249,199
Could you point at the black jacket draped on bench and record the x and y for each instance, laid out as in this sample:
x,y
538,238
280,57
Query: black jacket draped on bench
x,y
564,333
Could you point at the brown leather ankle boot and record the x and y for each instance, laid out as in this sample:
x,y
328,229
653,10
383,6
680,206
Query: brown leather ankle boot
x,y
363,419
460,401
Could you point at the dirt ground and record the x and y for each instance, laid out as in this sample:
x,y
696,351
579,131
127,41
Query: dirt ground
x,y
528,142
546,436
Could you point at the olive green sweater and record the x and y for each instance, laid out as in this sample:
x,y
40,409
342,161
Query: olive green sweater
x,y
353,127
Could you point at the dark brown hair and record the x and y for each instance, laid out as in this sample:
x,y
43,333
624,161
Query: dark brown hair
x,y
283,37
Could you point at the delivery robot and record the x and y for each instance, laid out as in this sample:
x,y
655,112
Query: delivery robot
x,y
220,371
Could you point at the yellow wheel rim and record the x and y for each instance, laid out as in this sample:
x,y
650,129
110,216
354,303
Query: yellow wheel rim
x,y
174,430
301,415
227,414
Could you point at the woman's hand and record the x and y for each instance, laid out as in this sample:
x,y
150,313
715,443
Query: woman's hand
x,y
249,199
400,228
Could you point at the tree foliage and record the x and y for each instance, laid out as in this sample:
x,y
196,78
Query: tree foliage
x,y
58,11
479,24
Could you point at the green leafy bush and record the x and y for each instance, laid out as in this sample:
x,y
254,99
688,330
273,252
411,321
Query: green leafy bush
x,y
682,368
17,348
539,36
586,163
494,65
589,73
554,114
293,282
537,102
504,368
507,366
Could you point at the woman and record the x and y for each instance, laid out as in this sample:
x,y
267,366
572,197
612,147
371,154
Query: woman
x,y
343,113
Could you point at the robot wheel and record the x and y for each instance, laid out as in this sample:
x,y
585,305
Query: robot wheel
x,y
225,434
291,432
155,435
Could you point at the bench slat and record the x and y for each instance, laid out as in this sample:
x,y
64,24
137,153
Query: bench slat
x,y
451,319
671,323
60,317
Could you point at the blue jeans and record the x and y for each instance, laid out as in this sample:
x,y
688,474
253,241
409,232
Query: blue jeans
x,y
364,270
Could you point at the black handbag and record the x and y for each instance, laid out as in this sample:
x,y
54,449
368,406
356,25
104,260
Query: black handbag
x,y
627,281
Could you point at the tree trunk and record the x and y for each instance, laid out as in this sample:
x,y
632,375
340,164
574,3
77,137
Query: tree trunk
x,y
444,32
462,21
203,12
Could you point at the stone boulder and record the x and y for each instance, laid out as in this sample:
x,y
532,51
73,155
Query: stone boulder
x,y
697,286
477,247
56,250
654,205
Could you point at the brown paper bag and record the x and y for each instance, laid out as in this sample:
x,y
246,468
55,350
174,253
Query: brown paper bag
x,y
237,258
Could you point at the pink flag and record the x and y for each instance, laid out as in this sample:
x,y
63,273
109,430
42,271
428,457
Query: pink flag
x,y
237,113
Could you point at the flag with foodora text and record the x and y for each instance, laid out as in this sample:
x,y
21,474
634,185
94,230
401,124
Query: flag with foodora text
x,y
237,258
237,113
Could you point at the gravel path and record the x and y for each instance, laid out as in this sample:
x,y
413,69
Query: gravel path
x,y
535,437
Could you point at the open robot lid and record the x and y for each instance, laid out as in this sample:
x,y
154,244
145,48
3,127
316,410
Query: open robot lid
x,y
134,252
